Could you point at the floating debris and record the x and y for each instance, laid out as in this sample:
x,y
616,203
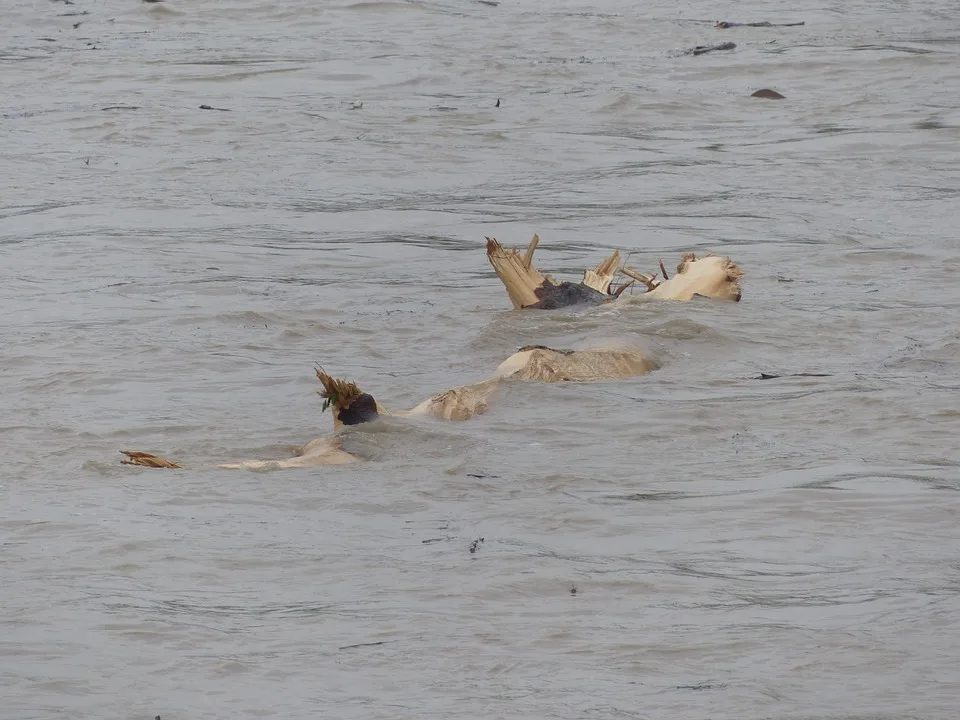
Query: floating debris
x,y
768,94
704,49
145,459
717,277
723,25
359,645
774,376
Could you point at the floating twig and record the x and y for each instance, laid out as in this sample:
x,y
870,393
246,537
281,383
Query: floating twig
x,y
359,645
723,25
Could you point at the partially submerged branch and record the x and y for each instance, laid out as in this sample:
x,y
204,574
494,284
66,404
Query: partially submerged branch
x,y
648,280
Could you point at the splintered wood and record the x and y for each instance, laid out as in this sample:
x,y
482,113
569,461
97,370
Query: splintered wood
x,y
601,276
516,273
650,281
144,459
710,276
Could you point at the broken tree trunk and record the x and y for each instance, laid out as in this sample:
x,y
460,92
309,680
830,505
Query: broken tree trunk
x,y
516,273
527,288
710,276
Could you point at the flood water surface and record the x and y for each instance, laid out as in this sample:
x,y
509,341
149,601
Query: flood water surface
x,y
764,527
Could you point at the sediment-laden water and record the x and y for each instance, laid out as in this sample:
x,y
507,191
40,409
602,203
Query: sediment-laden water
x,y
741,546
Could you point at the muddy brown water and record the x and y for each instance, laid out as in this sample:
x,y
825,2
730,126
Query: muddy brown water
x,y
740,547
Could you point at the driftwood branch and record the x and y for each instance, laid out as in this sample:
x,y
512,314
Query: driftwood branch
x,y
649,281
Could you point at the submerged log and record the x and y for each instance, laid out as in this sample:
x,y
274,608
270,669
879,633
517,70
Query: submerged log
x,y
545,364
710,276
